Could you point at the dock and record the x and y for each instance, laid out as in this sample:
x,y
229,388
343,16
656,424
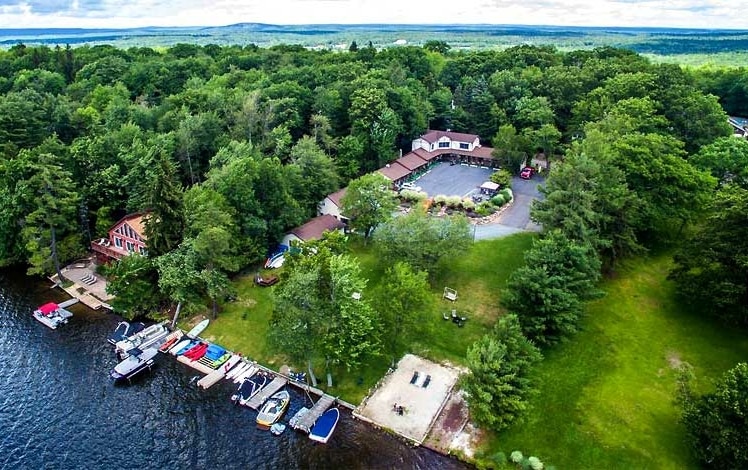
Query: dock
x,y
256,401
68,303
306,422
212,378
195,365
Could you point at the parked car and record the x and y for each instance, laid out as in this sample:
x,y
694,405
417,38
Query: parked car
x,y
410,186
526,173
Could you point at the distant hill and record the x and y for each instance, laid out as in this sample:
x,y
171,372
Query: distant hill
x,y
661,41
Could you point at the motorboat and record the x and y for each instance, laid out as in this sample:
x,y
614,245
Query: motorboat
x,y
253,386
154,335
125,330
137,361
325,426
273,409
52,315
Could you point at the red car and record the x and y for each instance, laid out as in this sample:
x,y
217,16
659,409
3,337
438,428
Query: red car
x,y
526,173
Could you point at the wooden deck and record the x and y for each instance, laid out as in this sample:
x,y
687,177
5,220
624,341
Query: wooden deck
x,y
195,365
307,421
256,401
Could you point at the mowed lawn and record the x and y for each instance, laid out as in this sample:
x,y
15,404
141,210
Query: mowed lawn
x,y
606,397
479,276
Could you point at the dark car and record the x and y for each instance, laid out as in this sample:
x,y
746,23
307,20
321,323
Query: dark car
x,y
526,173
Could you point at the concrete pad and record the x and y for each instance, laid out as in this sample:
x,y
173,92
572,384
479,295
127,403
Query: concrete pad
x,y
421,405
453,180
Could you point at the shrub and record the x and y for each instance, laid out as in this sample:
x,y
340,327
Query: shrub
x,y
498,200
507,193
502,178
516,456
535,463
499,458
454,201
485,208
468,204
440,199
412,196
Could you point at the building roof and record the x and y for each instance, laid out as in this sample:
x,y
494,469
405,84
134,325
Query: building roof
x,y
433,136
411,161
337,196
314,229
394,171
425,154
136,221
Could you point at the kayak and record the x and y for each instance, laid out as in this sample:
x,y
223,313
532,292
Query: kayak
x,y
180,345
199,328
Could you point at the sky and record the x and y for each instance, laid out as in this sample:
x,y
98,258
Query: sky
x,y
716,14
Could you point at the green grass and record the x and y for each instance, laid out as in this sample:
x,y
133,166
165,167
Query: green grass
x,y
606,397
478,277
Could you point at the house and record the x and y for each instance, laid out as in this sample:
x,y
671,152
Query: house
x,y
127,236
312,230
454,146
739,126
333,206
395,172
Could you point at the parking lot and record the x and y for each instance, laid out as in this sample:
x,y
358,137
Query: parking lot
x,y
452,180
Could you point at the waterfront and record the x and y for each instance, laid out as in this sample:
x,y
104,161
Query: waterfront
x,y
60,410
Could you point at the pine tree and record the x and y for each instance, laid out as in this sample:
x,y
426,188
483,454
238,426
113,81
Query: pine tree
x,y
165,221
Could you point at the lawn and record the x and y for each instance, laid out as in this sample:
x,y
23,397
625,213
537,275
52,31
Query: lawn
x,y
606,397
478,276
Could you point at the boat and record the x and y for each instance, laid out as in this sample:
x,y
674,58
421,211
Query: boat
x,y
275,261
125,329
180,345
52,315
152,336
137,361
325,426
277,429
196,352
257,382
237,370
169,343
248,372
273,409
199,328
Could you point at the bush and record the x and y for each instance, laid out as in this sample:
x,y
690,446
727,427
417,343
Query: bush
x,y
502,178
499,458
507,193
485,208
498,200
468,204
535,463
454,201
412,196
516,456
440,199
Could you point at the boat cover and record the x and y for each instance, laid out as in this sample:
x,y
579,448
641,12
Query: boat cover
x,y
48,308
215,352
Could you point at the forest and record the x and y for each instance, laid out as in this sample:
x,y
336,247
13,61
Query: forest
x,y
228,147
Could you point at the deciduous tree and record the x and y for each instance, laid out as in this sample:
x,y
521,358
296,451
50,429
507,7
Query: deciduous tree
x,y
368,202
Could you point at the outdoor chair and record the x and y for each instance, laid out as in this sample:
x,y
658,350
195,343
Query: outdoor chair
x,y
426,381
414,379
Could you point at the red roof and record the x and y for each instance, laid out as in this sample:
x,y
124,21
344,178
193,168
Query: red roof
x,y
48,308
433,136
411,161
394,171
314,229
425,154
337,196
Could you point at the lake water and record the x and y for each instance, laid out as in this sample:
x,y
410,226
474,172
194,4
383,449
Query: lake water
x,y
61,410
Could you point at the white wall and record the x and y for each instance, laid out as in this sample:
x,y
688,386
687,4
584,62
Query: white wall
x,y
290,237
329,207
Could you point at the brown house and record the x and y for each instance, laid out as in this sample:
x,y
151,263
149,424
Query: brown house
x,y
127,236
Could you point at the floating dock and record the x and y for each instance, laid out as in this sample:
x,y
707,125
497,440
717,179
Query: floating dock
x,y
195,365
68,303
214,377
306,422
256,401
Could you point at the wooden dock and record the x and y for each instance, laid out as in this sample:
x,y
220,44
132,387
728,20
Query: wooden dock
x,y
195,365
306,422
214,377
68,303
256,401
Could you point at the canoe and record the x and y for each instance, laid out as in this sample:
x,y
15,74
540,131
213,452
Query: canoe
x,y
325,426
191,344
199,328
180,345
237,370
273,409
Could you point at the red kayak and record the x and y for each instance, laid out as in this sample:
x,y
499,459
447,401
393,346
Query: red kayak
x,y
165,347
190,352
197,352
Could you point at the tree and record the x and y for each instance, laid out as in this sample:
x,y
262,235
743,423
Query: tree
x,y
422,240
179,277
50,230
402,298
711,267
131,280
509,148
547,293
315,172
726,159
165,221
368,202
497,385
717,423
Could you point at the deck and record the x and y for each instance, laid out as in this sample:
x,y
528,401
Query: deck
x,y
195,365
256,401
306,422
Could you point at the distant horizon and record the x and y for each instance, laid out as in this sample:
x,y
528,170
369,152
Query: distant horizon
x,y
97,14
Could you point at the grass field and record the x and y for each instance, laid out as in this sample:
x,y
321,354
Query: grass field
x,y
606,397
478,277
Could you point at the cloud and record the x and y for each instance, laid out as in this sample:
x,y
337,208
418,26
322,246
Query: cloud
x,y
119,13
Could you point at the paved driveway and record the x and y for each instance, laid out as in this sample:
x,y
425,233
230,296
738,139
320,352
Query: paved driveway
x,y
516,218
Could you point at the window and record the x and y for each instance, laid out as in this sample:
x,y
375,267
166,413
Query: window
x,y
464,146
142,250
443,145
130,247
118,242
